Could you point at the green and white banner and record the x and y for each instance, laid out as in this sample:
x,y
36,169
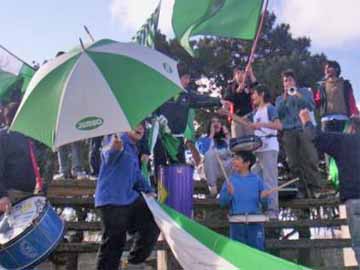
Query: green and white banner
x,y
223,18
101,89
12,70
197,247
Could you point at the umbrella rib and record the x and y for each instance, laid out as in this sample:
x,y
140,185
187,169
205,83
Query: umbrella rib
x,y
62,99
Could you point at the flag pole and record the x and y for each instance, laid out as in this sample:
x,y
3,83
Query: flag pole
x,y
18,58
253,48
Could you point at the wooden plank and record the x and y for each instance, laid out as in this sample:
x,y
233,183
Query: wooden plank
x,y
95,226
308,243
92,247
71,187
271,244
88,202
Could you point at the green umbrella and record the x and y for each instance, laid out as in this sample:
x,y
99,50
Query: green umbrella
x,y
100,89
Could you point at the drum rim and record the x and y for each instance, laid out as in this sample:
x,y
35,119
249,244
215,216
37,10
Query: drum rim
x,y
254,138
31,226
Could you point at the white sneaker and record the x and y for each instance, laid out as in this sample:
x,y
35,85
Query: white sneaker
x,y
59,177
80,175
213,190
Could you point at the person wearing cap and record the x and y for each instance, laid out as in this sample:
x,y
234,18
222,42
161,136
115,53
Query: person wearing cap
x,y
243,194
345,149
335,98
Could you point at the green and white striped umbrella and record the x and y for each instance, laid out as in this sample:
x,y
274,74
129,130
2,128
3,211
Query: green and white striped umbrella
x,y
104,88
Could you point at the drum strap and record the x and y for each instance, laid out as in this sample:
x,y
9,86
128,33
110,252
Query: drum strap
x,y
39,181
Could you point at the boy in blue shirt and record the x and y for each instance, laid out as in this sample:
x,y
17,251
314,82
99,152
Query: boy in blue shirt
x,y
121,207
244,195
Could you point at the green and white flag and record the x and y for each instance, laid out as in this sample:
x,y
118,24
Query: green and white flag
x,y
12,70
146,35
197,247
223,18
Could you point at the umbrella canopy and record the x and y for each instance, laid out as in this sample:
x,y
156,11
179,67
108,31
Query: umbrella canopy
x,y
104,88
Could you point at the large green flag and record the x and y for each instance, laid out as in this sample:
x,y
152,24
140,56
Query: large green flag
x,y
12,70
146,35
224,18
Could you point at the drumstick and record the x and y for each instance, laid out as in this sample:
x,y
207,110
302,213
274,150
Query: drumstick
x,y
283,185
222,167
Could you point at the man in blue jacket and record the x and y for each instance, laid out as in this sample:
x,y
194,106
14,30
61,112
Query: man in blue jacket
x,y
345,149
122,208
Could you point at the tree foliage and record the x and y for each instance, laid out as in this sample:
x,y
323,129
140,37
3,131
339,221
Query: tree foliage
x,y
277,50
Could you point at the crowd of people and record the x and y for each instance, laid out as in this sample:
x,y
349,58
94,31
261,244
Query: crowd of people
x,y
117,161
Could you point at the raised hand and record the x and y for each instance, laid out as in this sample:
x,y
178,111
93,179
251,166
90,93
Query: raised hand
x,y
5,204
116,143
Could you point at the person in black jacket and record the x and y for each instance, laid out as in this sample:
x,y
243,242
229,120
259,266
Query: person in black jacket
x,y
238,92
16,169
176,112
345,148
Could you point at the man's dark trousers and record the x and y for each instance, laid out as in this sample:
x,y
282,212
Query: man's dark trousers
x,y
116,222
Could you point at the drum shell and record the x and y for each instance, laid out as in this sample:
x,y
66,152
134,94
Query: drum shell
x,y
178,183
35,244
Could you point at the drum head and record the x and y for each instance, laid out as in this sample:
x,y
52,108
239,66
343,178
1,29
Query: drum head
x,y
21,217
246,143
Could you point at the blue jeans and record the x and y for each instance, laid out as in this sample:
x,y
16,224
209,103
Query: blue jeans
x,y
251,234
353,216
63,158
266,167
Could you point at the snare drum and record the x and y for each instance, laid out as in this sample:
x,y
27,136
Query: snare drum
x,y
29,233
245,143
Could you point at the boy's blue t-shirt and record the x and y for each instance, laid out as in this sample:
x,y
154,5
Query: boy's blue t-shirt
x,y
246,198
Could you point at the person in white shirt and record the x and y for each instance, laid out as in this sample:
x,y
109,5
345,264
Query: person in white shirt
x,y
265,122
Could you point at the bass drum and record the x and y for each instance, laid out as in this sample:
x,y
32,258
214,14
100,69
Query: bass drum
x,y
245,143
29,233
